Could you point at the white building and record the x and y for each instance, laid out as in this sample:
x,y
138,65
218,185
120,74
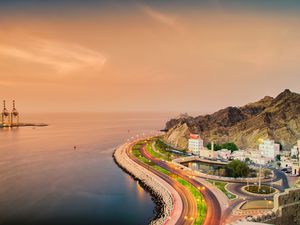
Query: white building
x,y
296,165
206,153
292,161
295,170
252,154
269,149
224,153
195,144
295,151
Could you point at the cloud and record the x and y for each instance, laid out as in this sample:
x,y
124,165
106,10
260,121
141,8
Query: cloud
x,y
62,57
162,18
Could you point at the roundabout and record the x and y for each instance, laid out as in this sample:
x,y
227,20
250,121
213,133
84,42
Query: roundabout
x,y
240,190
262,190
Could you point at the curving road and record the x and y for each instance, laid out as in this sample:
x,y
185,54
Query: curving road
x,y
236,187
214,212
189,212
281,175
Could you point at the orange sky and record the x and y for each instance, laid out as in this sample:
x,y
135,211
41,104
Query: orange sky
x,y
147,59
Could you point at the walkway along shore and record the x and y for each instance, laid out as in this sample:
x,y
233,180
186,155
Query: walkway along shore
x,y
168,201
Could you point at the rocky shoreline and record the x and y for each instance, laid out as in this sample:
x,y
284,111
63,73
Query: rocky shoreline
x,y
162,197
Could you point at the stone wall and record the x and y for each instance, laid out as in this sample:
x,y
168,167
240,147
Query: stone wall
x,y
286,209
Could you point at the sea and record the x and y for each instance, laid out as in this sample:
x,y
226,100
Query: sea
x,y
45,180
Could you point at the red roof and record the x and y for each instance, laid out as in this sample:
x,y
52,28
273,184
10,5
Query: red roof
x,y
194,136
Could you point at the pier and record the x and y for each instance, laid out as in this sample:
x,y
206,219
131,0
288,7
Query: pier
x,y
12,118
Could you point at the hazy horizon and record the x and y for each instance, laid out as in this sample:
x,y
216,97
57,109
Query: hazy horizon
x,y
146,56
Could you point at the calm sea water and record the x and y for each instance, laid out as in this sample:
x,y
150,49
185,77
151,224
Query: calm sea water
x,y
43,180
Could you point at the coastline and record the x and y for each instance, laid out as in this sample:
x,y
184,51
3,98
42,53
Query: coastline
x,y
24,125
161,196
158,210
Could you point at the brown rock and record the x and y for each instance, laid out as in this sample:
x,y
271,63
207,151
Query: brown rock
x,y
275,118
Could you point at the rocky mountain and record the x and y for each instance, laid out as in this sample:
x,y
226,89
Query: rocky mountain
x,y
274,118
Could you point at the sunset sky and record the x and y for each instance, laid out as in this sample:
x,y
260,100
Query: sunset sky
x,y
181,56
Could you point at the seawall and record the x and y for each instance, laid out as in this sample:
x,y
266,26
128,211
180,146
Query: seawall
x,y
159,191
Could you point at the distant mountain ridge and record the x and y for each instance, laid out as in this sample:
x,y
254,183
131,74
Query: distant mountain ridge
x,y
275,118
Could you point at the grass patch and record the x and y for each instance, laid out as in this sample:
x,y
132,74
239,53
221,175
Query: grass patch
x,y
162,170
221,186
201,206
154,153
263,189
258,204
161,154
136,152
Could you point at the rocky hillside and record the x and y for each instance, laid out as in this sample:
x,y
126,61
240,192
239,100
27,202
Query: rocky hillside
x,y
275,118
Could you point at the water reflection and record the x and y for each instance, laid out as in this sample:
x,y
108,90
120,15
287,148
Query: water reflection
x,y
140,192
204,167
44,181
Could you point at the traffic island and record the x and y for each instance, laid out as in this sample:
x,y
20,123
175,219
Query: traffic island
x,y
263,190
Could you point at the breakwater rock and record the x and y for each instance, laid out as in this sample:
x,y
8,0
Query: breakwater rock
x,y
149,181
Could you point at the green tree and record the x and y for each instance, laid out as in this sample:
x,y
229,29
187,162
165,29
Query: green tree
x,y
267,173
222,172
169,156
160,144
237,168
230,146
216,146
